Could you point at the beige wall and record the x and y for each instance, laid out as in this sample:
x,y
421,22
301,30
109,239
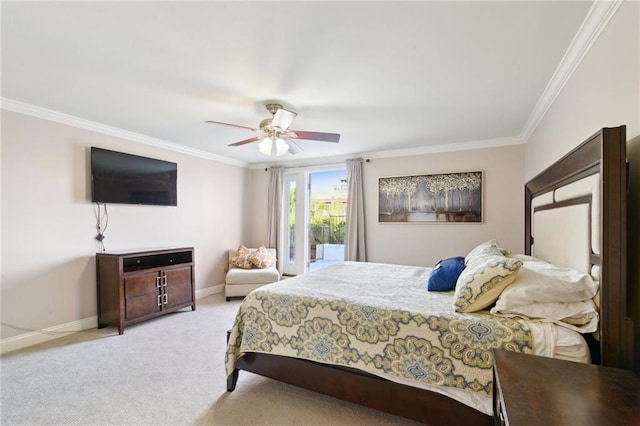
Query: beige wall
x,y
425,244
48,222
604,91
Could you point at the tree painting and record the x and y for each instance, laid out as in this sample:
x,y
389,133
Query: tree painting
x,y
447,197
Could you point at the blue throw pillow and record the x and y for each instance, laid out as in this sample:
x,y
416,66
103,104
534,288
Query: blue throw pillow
x,y
445,274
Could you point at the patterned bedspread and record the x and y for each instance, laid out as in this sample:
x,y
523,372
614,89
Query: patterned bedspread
x,y
377,318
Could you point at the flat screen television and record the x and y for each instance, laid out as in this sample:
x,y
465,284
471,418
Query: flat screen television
x,y
122,178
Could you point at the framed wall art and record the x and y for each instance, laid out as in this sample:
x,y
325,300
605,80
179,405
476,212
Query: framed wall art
x,y
440,198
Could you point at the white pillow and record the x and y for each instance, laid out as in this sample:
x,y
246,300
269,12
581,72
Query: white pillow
x,y
579,316
525,257
543,282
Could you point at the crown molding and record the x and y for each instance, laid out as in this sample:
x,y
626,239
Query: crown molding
x,y
50,115
70,120
597,19
451,147
408,152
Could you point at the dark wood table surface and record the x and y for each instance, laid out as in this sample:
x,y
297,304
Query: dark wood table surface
x,y
537,390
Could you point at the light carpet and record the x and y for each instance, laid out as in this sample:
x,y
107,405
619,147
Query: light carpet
x,y
166,371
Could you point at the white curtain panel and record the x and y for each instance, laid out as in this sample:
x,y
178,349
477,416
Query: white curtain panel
x,y
354,244
274,213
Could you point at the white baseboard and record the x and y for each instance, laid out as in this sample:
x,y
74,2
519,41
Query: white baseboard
x,y
35,337
209,291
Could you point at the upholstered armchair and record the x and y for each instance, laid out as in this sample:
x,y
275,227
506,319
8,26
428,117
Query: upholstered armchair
x,y
250,269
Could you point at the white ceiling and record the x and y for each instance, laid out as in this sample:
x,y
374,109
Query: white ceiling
x,y
385,75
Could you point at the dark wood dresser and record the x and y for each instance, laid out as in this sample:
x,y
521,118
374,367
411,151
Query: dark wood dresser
x,y
534,390
139,285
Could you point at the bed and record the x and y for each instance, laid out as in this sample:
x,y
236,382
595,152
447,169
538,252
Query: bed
x,y
277,324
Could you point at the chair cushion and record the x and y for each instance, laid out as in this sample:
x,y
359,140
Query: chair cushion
x,y
252,276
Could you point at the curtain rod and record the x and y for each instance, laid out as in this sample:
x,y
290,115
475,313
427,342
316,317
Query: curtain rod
x,y
300,168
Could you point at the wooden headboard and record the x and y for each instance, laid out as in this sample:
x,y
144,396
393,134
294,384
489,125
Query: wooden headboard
x,y
603,158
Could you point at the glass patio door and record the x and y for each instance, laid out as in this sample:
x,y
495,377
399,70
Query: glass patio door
x,y
295,219
314,206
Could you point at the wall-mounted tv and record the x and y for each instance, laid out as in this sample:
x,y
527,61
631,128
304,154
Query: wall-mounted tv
x,y
122,178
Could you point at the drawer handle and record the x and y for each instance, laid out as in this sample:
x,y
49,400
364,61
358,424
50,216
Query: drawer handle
x,y
164,280
159,304
166,298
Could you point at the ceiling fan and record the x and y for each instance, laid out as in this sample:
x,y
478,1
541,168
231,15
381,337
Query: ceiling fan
x,y
274,136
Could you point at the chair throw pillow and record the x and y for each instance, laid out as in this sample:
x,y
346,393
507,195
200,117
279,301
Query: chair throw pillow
x,y
241,257
262,258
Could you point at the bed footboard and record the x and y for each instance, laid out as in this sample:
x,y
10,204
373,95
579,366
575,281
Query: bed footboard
x,y
363,389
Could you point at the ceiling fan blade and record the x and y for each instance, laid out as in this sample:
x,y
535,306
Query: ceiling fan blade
x,y
283,118
314,136
232,125
294,148
246,141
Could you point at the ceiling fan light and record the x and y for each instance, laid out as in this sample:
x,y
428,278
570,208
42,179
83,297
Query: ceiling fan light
x,y
282,147
265,146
